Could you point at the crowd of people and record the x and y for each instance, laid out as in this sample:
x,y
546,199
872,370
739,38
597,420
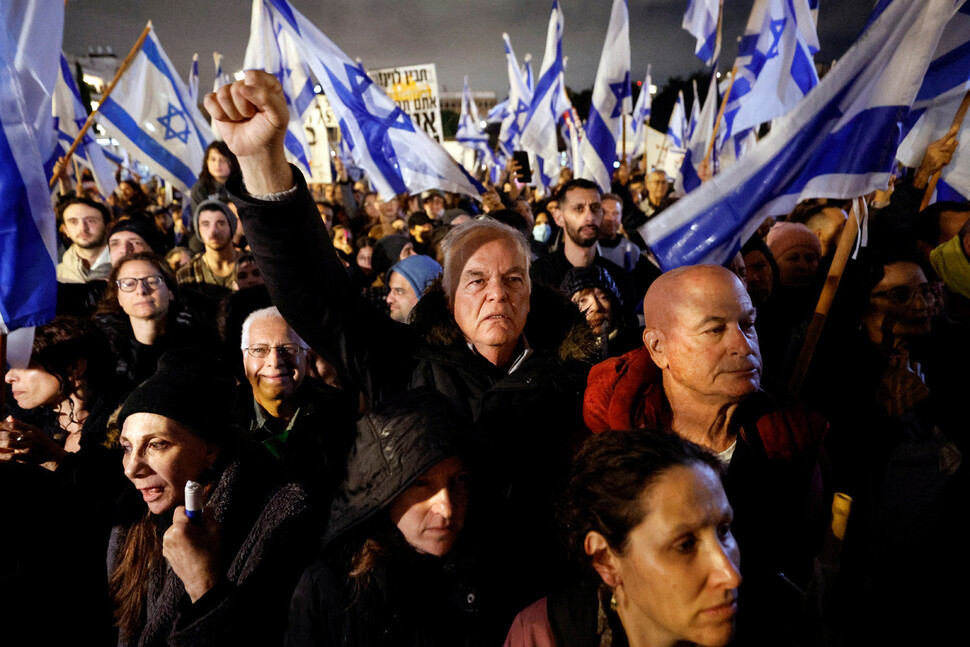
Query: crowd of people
x,y
436,419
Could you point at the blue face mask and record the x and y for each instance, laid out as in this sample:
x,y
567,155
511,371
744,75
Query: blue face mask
x,y
541,232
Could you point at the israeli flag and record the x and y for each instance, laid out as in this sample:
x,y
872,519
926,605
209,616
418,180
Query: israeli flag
x,y
695,111
69,118
939,97
839,142
527,73
275,51
641,115
611,100
519,101
700,136
700,21
677,127
30,45
574,133
497,114
194,79
151,114
549,101
470,133
774,65
396,156
221,79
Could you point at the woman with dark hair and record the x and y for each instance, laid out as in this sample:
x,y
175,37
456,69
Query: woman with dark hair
x,y
62,401
142,316
646,512
397,567
225,576
219,164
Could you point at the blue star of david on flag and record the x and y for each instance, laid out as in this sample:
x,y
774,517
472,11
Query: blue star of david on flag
x,y
777,28
170,132
620,90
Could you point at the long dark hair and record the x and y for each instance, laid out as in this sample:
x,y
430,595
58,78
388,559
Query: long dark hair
x,y
65,345
205,177
109,300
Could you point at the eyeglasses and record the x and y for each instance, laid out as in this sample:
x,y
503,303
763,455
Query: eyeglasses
x,y
261,351
130,283
903,295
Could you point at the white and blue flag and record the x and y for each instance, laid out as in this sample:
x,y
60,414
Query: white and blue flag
x,y
689,178
470,133
774,65
397,156
611,100
701,21
677,127
273,50
574,134
194,79
695,111
549,101
839,142
641,115
519,101
939,97
221,79
151,114
69,118
30,45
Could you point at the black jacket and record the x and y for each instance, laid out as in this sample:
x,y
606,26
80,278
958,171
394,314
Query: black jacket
x,y
405,598
268,534
525,422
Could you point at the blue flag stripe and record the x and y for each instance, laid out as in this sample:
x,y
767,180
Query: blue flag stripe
x,y
28,284
123,121
945,73
690,243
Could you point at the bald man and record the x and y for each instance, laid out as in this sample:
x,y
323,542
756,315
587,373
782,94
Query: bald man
x,y
699,375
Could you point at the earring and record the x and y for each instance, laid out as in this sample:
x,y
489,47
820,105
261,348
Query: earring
x,y
614,605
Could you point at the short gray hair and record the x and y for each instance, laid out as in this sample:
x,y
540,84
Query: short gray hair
x,y
264,313
463,241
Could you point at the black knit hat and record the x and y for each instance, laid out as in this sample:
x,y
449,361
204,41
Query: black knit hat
x,y
593,276
192,388
144,228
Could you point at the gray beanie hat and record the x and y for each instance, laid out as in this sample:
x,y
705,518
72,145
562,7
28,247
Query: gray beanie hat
x,y
215,205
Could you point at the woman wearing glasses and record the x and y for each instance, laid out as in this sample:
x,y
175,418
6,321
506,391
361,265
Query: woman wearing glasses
x,y
142,315
894,386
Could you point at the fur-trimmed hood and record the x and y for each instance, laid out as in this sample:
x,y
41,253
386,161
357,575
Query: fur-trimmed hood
x,y
554,323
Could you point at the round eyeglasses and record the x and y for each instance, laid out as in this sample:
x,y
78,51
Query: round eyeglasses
x,y
261,351
151,283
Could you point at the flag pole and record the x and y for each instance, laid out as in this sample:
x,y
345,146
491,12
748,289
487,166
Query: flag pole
x,y
720,113
624,137
839,260
111,86
954,128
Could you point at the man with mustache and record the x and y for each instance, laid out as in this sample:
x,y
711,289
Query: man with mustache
x,y
699,376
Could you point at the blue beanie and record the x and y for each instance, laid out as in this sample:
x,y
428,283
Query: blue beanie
x,y
418,270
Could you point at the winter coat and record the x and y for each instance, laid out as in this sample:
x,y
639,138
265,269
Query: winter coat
x,y
405,598
774,481
136,362
268,536
526,423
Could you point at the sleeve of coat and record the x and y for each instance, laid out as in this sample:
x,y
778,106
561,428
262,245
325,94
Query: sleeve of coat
x,y
250,606
309,284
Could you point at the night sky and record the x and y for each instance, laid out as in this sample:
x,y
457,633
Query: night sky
x,y
460,36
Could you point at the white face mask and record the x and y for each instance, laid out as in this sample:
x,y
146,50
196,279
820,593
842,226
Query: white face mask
x,y
541,232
